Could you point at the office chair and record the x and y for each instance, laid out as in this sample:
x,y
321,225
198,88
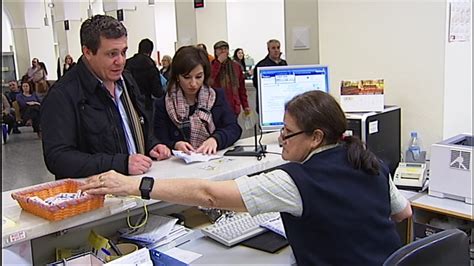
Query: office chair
x,y
449,247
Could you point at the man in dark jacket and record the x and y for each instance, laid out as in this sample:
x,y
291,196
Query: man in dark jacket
x,y
93,119
273,58
145,72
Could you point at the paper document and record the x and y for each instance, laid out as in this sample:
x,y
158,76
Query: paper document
x,y
195,157
275,225
156,228
140,257
185,256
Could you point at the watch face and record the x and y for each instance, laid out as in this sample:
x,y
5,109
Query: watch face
x,y
147,183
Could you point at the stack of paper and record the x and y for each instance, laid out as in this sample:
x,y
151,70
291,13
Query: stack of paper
x,y
156,228
275,225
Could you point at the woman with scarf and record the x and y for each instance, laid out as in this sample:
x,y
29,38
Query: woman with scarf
x,y
227,74
193,117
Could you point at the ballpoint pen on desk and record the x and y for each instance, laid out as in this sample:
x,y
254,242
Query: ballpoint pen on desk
x,y
115,248
106,252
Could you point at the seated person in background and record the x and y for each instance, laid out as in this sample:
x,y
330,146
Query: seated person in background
x,y
192,116
11,96
7,116
14,90
42,88
29,104
333,196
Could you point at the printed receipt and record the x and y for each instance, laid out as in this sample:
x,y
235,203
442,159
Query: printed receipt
x,y
195,157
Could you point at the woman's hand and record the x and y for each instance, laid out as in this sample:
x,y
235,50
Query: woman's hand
x,y
112,182
184,146
208,147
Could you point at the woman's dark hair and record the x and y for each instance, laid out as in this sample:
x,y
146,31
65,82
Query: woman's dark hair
x,y
236,58
318,110
100,26
185,60
43,66
30,83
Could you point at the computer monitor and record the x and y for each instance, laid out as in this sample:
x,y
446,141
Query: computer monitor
x,y
279,84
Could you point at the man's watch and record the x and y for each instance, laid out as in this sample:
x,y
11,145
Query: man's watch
x,y
146,185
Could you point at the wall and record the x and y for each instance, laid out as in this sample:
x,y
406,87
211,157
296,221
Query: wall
x,y
211,24
399,41
7,35
165,27
250,24
458,86
302,13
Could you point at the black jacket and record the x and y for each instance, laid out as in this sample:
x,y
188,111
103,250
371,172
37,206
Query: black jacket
x,y
81,127
147,75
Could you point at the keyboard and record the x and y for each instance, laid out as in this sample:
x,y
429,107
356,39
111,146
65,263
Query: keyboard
x,y
239,227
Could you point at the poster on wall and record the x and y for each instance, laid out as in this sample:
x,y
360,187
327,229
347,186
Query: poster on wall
x,y
459,21
362,95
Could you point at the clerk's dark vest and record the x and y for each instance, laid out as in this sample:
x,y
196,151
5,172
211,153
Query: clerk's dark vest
x,y
346,213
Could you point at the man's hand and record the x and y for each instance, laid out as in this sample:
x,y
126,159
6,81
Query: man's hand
x,y
160,152
208,147
184,146
138,164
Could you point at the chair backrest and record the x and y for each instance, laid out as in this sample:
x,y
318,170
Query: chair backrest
x,y
448,247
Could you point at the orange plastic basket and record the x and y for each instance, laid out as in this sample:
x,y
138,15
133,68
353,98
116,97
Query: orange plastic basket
x,y
61,211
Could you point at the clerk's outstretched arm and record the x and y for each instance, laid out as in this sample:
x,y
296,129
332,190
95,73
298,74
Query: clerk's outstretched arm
x,y
212,194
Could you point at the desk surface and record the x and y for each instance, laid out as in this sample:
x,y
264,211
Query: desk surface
x,y
445,206
213,254
28,226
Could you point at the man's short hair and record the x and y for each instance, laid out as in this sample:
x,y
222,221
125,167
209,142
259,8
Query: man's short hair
x,y
273,41
145,46
100,26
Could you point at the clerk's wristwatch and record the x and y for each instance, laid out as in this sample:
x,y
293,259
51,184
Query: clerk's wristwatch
x,y
146,185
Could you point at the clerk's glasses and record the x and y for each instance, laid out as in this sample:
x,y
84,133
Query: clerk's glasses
x,y
284,137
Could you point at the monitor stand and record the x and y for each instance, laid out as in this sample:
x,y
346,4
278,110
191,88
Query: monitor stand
x,y
248,150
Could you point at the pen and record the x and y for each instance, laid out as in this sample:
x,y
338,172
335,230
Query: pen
x,y
106,251
115,248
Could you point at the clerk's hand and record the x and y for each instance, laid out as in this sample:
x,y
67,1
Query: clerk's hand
x,y
112,182
160,152
138,164
184,146
208,147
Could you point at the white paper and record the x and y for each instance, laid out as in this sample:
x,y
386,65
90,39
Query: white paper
x,y
373,127
195,157
156,228
459,21
140,257
275,225
185,256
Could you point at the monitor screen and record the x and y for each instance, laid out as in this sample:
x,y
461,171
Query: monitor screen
x,y
279,84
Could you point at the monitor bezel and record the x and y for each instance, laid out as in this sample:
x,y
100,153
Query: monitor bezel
x,y
272,128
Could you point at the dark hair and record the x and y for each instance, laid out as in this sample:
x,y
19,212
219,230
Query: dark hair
x,y
319,110
236,58
30,83
100,26
145,46
43,66
185,60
